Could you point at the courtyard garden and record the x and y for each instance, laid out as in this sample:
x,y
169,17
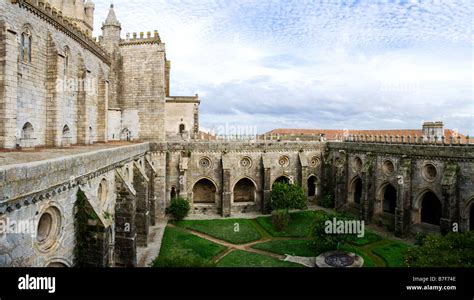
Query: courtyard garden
x,y
256,243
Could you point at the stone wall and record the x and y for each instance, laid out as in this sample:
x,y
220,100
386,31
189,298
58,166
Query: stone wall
x,y
48,92
143,89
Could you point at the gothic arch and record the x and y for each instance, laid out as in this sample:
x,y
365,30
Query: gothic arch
x,y
244,190
313,185
428,208
205,191
387,196
282,179
355,190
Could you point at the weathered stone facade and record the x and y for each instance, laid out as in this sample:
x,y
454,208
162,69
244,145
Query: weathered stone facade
x,y
60,86
94,207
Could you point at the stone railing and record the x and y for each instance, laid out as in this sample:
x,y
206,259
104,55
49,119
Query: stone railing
x,y
407,139
261,138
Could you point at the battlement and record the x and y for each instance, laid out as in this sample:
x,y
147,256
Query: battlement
x,y
136,38
45,11
183,99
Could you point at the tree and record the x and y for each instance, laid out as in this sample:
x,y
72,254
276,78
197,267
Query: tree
x,y
452,250
329,240
288,196
179,208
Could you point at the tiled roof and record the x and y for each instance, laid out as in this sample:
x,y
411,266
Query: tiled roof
x,y
338,134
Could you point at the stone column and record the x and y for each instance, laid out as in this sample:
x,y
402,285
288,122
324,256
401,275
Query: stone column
x,y
52,107
304,172
142,217
8,86
151,174
368,188
449,186
102,108
267,190
125,227
226,193
81,109
404,194
339,177
159,161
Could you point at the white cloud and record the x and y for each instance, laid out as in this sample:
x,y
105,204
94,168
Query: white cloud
x,y
330,64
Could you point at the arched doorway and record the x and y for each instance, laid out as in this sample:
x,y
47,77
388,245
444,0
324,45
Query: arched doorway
x,y
312,186
430,209
389,199
204,191
27,132
282,179
244,191
182,128
173,193
356,190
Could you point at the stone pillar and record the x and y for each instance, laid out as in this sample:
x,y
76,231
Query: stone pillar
x,y
159,162
226,193
404,194
304,172
8,86
125,227
81,102
368,188
267,190
92,238
102,108
339,176
449,186
142,217
151,174
52,107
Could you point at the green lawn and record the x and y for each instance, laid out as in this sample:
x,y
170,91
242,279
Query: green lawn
x,y
235,231
290,247
180,248
243,259
176,241
368,261
392,253
301,224
368,238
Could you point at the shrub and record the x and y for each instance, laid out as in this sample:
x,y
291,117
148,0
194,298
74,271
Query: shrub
x,y
329,241
327,201
288,196
452,250
280,219
179,208
420,238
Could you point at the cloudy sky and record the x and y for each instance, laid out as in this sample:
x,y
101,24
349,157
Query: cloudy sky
x,y
315,64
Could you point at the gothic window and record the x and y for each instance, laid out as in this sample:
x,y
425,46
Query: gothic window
x,y
67,55
25,48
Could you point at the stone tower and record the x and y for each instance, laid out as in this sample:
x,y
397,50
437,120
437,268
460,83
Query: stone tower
x,y
111,30
78,12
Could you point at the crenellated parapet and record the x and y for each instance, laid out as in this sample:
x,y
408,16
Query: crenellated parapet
x,y
55,17
139,38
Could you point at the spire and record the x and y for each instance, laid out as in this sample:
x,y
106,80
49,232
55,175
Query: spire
x,y
112,18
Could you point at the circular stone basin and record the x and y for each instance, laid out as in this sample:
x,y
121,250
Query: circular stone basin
x,y
339,259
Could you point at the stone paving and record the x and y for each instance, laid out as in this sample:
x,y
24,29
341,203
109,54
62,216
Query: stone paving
x,y
39,154
146,255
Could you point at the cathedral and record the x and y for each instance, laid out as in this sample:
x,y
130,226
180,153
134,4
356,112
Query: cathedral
x,y
61,86
91,138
